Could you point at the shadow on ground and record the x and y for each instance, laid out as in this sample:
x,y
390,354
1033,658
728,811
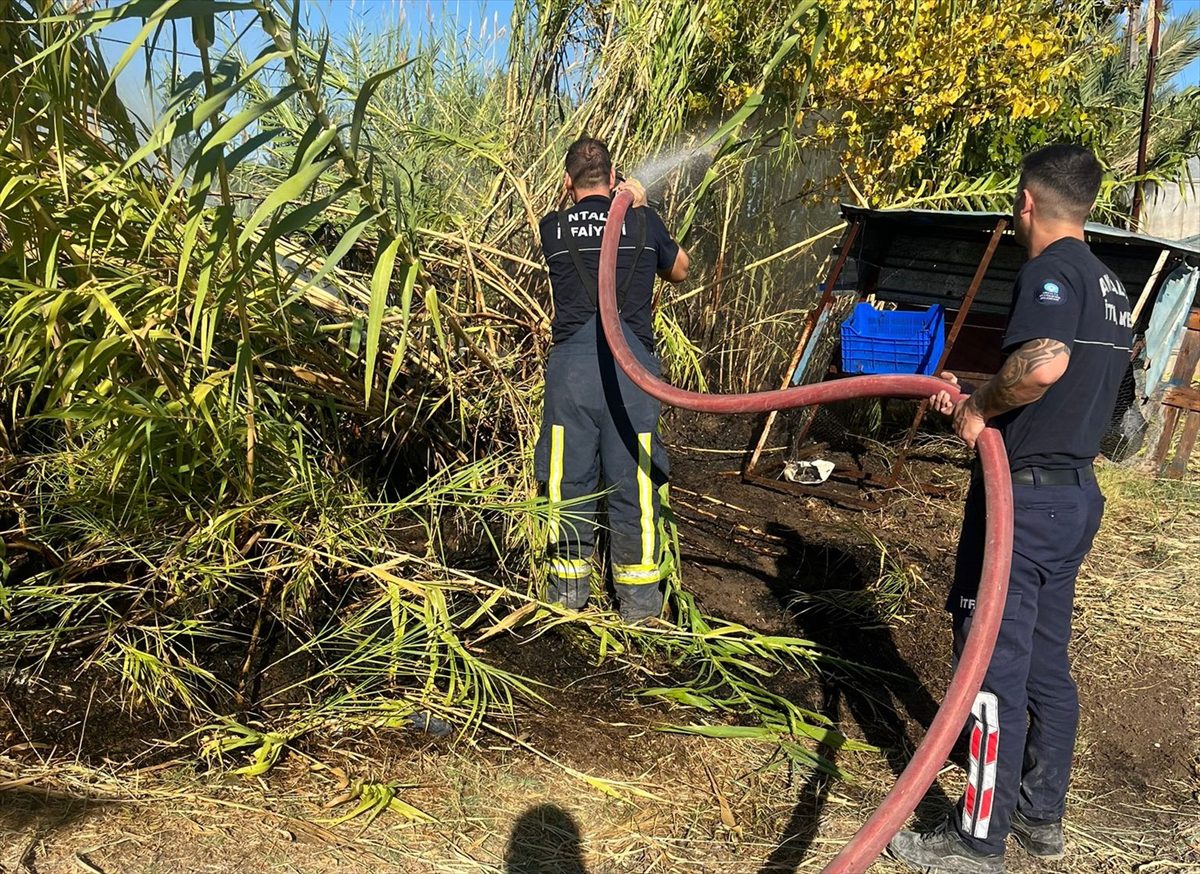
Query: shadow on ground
x,y
30,818
879,697
545,840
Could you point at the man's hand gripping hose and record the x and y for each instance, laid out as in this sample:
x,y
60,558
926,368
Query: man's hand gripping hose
x,y
870,840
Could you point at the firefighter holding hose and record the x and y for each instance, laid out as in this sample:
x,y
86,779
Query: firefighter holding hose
x,y
1068,344
599,430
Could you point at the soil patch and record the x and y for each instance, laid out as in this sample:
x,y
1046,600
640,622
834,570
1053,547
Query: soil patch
x,y
867,587
764,559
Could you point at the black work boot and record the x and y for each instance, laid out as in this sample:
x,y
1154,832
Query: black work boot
x,y
572,594
942,850
1041,839
636,602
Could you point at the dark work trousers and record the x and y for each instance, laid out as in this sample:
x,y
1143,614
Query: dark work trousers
x,y
1022,728
600,431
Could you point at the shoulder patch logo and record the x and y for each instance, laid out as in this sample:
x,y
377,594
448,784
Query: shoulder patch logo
x,y
1050,293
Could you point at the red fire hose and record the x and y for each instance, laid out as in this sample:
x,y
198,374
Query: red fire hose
x,y
865,847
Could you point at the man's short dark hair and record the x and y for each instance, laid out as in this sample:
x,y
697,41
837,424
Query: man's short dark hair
x,y
588,163
1066,178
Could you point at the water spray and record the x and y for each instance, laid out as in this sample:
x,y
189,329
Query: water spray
x,y
653,170
911,785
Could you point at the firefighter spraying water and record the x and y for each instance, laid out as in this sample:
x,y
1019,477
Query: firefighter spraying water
x,y
598,427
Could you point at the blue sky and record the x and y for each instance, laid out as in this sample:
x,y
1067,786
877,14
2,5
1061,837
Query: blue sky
x,y
344,17
481,18
1191,75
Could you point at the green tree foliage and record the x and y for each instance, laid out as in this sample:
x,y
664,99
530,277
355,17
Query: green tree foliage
x,y
269,368
269,372
1112,86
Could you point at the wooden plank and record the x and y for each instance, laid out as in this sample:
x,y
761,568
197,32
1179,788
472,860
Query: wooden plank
x,y
1187,442
891,482
972,290
1150,288
809,323
826,490
1187,359
951,339
1170,419
1183,398
972,377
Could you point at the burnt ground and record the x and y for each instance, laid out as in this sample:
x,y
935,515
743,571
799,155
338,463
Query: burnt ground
x,y
758,557
866,586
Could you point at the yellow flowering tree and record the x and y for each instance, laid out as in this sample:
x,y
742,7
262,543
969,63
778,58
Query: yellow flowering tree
x,y
915,92
909,91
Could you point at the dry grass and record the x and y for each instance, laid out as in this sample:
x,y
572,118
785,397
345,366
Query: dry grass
x,y
719,806
174,823
1143,579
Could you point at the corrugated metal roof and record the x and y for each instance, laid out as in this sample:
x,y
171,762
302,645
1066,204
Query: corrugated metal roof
x,y
986,221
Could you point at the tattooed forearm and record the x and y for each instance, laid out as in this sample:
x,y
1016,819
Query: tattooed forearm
x,y
1026,375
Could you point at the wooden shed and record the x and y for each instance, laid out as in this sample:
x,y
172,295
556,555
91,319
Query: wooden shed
x,y
966,262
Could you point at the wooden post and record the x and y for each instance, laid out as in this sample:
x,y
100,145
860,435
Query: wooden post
x,y
1135,215
809,323
1177,403
1150,287
1187,442
951,339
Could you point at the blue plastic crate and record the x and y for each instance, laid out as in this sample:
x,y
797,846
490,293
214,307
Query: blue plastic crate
x,y
893,341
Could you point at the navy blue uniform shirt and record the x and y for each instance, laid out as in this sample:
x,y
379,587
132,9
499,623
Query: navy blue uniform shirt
x,y
1067,294
573,303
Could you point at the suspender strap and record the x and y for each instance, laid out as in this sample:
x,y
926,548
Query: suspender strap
x,y
637,253
587,278
589,281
